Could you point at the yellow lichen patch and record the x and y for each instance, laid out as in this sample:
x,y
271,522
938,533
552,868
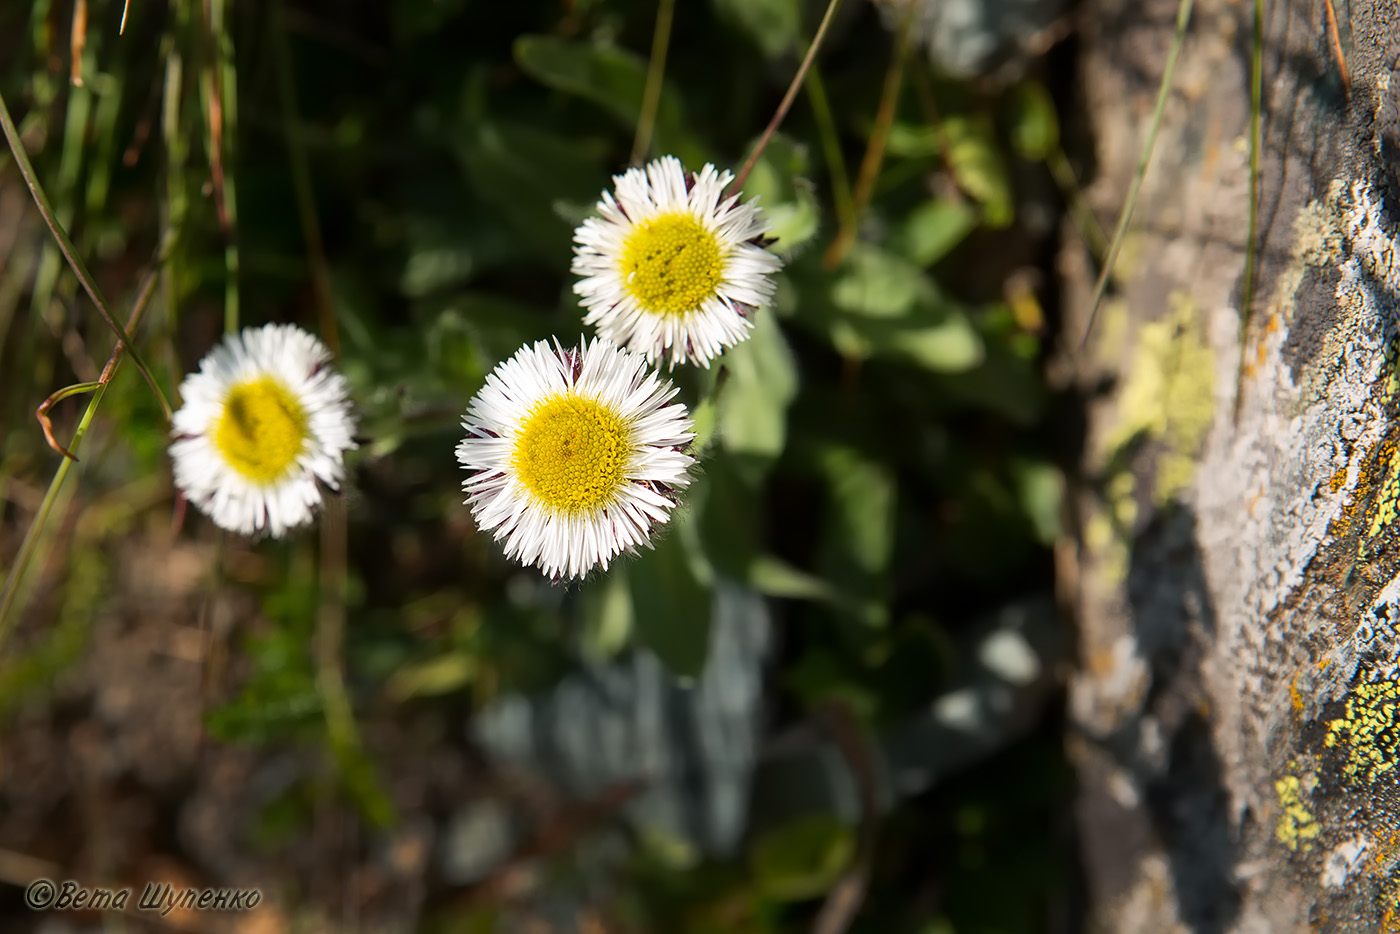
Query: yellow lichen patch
x,y
1369,731
1388,500
1339,478
1296,826
572,452
1295,695
1170,394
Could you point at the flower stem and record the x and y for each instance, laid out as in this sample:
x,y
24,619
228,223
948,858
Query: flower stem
x,y
786,104
875,148
656,71
1183,17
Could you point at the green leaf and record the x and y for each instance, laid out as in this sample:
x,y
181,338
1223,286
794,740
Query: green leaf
x,y
977,165
607,614
913,140
1035,130
878,284
793,224
775,26
947,346
672,604
802,859
774,577
778,182
1041,488
761,384
933,229
523,173
706,418
444,674
895,310
613,78
361,781
858,541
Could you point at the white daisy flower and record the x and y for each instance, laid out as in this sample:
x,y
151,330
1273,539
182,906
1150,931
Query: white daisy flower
x,y
574,454
263,420
673,268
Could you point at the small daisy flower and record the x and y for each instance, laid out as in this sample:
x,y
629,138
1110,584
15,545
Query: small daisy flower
x,y
575,455
672,267
263,420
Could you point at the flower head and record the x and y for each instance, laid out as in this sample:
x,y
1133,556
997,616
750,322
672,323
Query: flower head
x,y
262,421
671,267
574,454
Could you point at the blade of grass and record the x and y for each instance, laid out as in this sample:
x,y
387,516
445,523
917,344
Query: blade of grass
x,y
36,527
176,204
1251,246
219,82
875,148
66,245
786,103
831,148
77,113
1183,17
656,73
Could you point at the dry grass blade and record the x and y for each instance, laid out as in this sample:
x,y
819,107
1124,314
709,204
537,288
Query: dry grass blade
x,y
36,527
71,254
42,413
875,149
77,40
1183,17
786,104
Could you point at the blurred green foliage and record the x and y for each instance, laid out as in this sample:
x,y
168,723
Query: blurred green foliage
x,y
878,458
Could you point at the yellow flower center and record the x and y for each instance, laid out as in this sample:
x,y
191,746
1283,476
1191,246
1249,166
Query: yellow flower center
x,y
671,264
262,430
572,452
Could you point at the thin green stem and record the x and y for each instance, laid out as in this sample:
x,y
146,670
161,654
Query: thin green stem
x,y
218,79
875,148
36,527
786,104
1183,18
656,73
66,246
831,148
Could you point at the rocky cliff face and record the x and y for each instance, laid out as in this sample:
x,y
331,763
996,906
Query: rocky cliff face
x,y
1237,576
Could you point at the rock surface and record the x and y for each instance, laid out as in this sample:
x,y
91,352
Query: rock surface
x,y
1237,580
